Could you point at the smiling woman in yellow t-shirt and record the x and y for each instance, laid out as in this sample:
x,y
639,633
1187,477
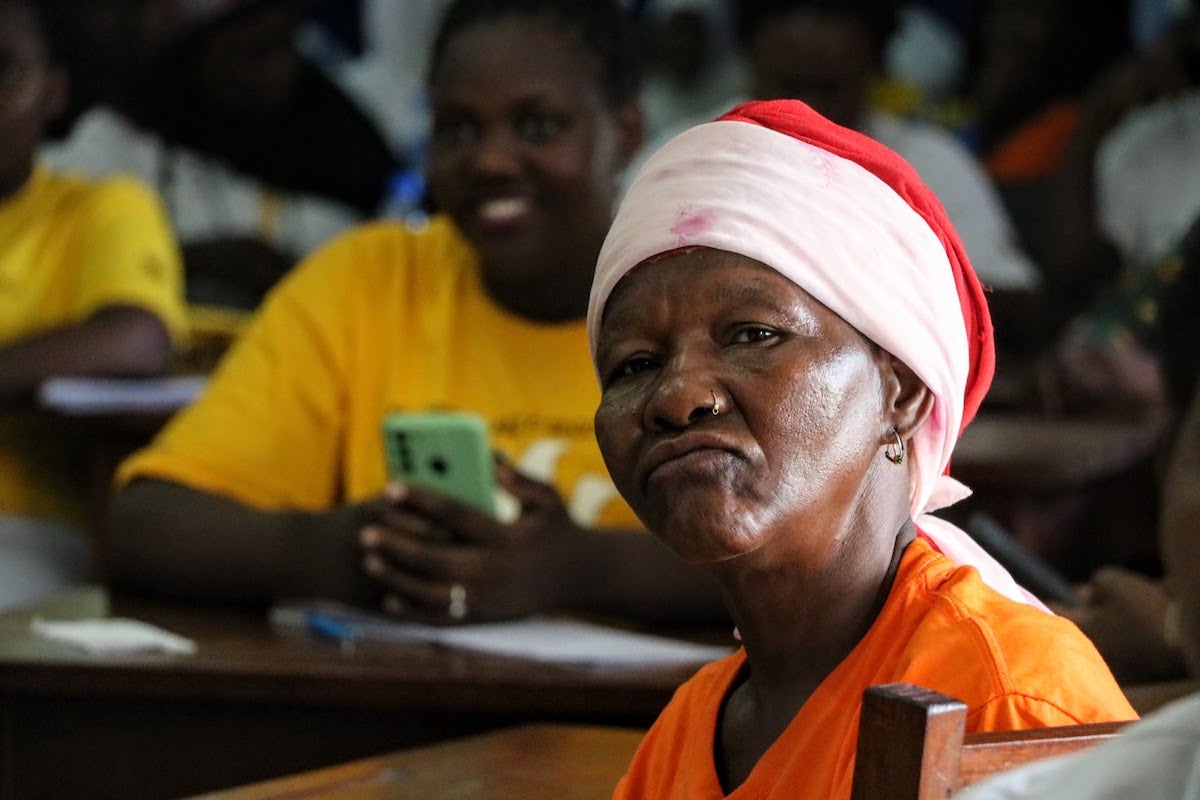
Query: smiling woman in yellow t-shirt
x,y
273,484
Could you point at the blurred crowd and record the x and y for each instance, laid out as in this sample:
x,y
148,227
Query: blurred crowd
x,y
1057,134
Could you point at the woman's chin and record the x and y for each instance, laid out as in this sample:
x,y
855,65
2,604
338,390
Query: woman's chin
x,y
707,539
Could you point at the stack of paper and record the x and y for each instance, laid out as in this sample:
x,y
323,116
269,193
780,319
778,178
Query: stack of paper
x,y
537,638
81,396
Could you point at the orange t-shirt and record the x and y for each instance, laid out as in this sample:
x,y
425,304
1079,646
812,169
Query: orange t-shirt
x,y
941,627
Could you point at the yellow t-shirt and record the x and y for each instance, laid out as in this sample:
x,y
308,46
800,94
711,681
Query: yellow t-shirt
x,y
385,319
68,248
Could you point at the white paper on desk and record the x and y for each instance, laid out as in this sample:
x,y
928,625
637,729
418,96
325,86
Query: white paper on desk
x,y
535,638
116,395
112,636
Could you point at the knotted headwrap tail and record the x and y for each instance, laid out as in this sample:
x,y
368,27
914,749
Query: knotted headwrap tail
x,y
852,224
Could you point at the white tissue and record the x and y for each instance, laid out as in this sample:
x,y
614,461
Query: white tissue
x,y
113,636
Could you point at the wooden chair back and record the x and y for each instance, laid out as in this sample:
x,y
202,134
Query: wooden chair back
x,y
912,746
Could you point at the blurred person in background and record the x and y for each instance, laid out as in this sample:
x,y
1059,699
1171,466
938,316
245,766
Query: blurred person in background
x,y
90,285
482,310
696,64
227,80
239,232
1157,626
829,54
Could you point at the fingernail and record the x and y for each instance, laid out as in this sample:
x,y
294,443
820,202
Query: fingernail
x,y
373,564
395,491
370,537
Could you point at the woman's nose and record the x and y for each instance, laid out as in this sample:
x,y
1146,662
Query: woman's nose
x,y
497,153
680,399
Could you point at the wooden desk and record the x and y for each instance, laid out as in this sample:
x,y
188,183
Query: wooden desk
x,y
255,703
530,762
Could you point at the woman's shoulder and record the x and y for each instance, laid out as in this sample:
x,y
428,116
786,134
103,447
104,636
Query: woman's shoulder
x,y
973,643
393,245
954,606
378,255
70,191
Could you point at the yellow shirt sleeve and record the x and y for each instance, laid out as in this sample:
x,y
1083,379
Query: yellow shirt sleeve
x,y
268,430
128,256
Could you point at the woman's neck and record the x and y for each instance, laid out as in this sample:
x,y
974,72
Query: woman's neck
x,y
561,298
11,185
797,630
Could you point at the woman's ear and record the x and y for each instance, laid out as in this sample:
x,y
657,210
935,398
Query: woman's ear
x,y
907,400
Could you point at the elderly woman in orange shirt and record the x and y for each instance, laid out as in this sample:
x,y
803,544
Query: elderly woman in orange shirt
x,y
790,339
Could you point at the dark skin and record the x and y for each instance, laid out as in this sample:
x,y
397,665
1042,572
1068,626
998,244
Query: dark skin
x,y
826,60
526,162
785,497
683,45
115,340
525,156
32,92
249,70
252,69
1179,626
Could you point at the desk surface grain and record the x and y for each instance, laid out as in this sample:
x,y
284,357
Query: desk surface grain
x,y
528,762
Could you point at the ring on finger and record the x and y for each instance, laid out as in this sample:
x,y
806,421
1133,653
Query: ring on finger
x,y
458,602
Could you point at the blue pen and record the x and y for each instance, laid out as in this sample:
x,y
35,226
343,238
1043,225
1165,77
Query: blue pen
x,y
328,626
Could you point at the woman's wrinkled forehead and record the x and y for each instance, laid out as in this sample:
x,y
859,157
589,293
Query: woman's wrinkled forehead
x,y
644,293
623,283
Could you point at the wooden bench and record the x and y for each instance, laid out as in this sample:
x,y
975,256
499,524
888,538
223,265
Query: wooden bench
x,y
912,746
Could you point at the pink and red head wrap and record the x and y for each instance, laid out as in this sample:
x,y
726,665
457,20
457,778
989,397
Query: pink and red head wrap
x,y
851,223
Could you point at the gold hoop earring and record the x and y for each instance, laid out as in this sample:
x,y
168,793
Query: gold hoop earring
x,y
716,404
895,452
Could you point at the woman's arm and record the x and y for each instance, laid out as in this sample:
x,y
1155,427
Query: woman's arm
x,y
169,539
115,341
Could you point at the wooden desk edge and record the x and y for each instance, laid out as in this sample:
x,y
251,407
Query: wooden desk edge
x,y
600,753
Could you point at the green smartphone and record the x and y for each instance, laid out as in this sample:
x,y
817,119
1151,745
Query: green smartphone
x,y
446,451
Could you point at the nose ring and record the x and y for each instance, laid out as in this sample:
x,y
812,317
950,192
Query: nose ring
x,y
716,404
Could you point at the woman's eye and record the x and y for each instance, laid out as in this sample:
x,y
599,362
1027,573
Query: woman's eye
x,y
751,334
630,366
454,133
540,127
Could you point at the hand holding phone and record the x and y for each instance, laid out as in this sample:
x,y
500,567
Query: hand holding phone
x,y
447,452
